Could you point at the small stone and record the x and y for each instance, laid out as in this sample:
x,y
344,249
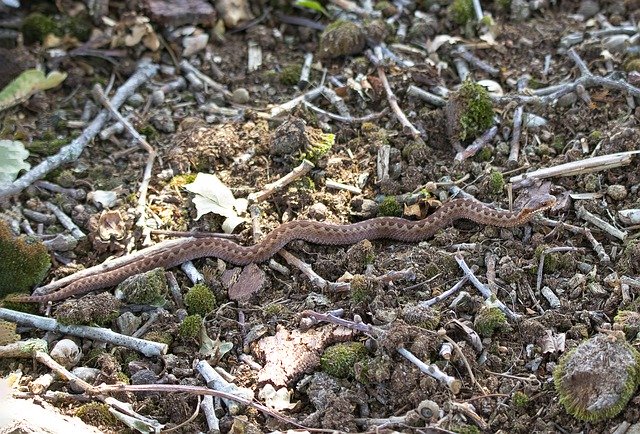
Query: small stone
x,y
135,100
128,323
318,211
567,100
588,8
66,352
520,10
341,38
240,96
194,44
163,122
617,192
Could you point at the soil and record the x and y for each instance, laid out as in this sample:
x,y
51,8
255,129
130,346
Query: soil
x,y
268,319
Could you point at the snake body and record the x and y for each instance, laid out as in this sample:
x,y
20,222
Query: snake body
x,y
392,228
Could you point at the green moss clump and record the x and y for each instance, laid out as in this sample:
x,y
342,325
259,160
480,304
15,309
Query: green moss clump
x,y
632,65
158,336
46,147
628,321
146,288
596,380
489,320
37,26
290,75
319,144
182,180
200,300
338,360
150,132
496,182
485,154
502,5
8,333
461,11
99,309
390,207
78,26
362,289
24,262
190,327
520,399
476,115
97,414
465,429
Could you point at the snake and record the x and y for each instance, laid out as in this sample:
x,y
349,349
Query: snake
x,y
316,232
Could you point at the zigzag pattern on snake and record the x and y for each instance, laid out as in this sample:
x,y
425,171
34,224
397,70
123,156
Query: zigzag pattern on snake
x,y
392,228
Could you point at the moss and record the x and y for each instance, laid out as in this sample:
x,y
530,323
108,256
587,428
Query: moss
x,y
290,75
489,320
46,147
591,390
200,300
8,333
341,38
149,131
362,289
338,360
502,5
632,65
146,288
465,429
628,321
37,26
319,144
520,399
66,179
496,182
390,207
98,309
24,262
461,11
189,328
97,414
158,336
485,154
79,26
476,115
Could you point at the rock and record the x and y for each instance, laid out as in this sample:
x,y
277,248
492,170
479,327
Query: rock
x,y
240,96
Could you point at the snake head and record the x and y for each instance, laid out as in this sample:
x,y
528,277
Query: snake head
x,y
538,204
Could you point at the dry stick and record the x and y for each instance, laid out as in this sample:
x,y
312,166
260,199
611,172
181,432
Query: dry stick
x,y
189,68
588,165
345,119
486,292
517,124
428,97
585,215
391,98
432,370
546,252
465,54
455,288
316,280
269,189
73,150
74,193
146,177
477,145
597,247
148,348
290,105
551,94
66,221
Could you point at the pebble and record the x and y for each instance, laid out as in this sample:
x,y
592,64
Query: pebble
x,y
135,100
128,323
240,96
588,8
164,122
318,211
617,192
66,352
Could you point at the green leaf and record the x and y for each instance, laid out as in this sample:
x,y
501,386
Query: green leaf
x,y
313,5
28,83
12,156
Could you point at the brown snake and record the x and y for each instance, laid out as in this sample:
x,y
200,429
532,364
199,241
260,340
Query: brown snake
x,y
392,228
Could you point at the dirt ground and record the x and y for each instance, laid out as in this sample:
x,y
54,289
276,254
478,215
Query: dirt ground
x,y
504,374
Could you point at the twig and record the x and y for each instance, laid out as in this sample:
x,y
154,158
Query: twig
x,y
455,288
148,348
391,98
517,124
597,221
215,382
330,183
291,104
588,165
346,119
597,247
462,52
305,72
190,69
486,292
315,279
73,150
432,370
269,189
146,176
75,193
430,98
546,252
477,144
66,221
382,162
